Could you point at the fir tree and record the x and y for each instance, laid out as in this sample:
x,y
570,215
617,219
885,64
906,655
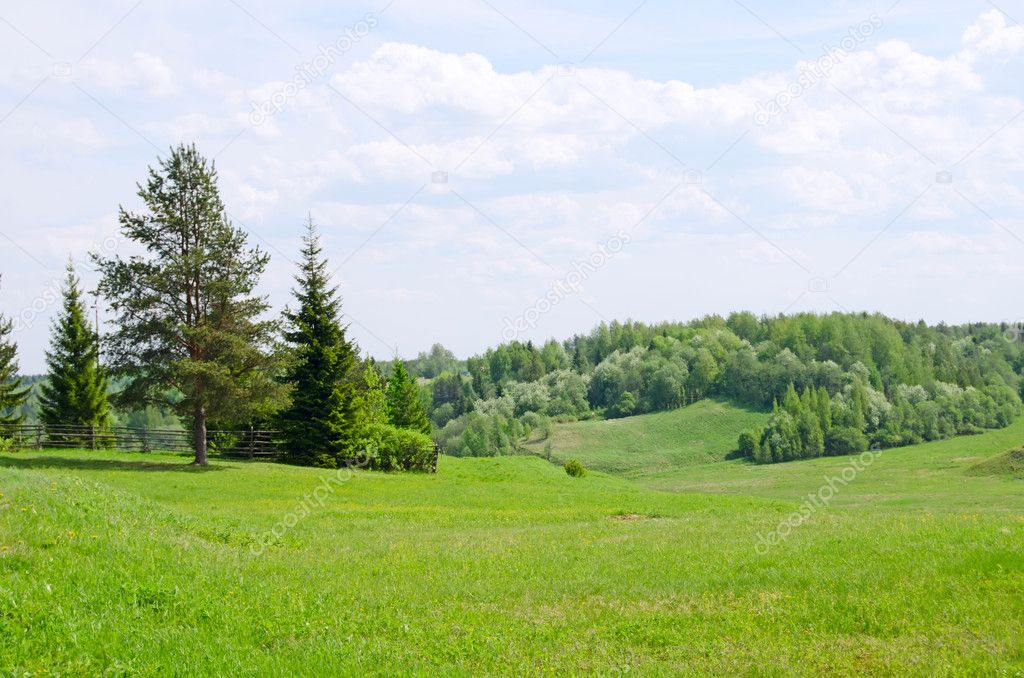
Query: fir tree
x,y
322,426
12,395
580,363
76,391
405,410
823,408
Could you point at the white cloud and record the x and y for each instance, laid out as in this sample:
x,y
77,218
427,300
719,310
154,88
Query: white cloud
x,y
559,161
990,36
145,72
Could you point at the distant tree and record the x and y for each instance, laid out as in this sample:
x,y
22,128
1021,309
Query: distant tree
x,y
405,409
451,388
322,425
624,406
75,392
440,359
845,441
747,443
374,398
554,357
187,320
703,372
12,394
580,362
744,324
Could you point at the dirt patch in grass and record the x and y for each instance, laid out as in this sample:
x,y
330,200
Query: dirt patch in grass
x,y
631,516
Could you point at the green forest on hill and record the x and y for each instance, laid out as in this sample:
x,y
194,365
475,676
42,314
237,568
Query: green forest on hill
x,y
836,383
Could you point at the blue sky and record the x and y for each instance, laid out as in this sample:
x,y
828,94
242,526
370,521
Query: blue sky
x,y
483,170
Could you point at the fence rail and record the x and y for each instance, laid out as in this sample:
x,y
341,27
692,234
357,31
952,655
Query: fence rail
x,y
250,443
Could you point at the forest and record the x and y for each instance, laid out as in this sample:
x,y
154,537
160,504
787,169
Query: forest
x,y
836,384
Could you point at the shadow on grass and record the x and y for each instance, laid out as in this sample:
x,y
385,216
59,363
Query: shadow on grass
x,y
87,464
736,454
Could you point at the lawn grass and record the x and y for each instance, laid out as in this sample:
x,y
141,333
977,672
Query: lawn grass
x,y
138,564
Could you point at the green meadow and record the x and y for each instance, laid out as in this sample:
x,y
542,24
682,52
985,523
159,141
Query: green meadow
x,y
123,564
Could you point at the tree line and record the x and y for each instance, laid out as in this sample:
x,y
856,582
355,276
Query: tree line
x,y
881,381
190,333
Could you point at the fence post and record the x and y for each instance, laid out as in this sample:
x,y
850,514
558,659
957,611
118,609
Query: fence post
x,y
145,439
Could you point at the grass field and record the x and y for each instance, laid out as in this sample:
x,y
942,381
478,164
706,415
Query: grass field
x,y
136,564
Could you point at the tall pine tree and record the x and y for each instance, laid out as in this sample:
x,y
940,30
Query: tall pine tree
x,y
405,409
187,319
12,395
76,391
322,426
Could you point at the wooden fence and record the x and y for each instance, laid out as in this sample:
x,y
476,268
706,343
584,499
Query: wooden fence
x,y
251,444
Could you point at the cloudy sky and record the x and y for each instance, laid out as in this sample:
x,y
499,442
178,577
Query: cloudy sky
x,y
483,169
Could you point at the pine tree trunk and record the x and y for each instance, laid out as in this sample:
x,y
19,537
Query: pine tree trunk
x,y
199,433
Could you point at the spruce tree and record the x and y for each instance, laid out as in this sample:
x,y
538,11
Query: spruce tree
x,y
580,362
405,409
76,391
12,395
323,425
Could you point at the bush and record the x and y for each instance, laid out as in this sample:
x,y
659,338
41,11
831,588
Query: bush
x,y
6,444
575,468
845,441
747,443
399,449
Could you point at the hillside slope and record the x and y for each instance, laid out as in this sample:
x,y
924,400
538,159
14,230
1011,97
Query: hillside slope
x,y
651,443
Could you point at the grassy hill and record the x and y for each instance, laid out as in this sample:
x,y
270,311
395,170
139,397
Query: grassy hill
x,y
141,565
932,476
638,446
1009,463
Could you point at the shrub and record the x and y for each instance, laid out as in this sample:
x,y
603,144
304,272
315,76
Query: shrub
x,y
575,468
399,449
747,443
845,441
6,445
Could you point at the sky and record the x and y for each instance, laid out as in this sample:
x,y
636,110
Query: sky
x,y
483,170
